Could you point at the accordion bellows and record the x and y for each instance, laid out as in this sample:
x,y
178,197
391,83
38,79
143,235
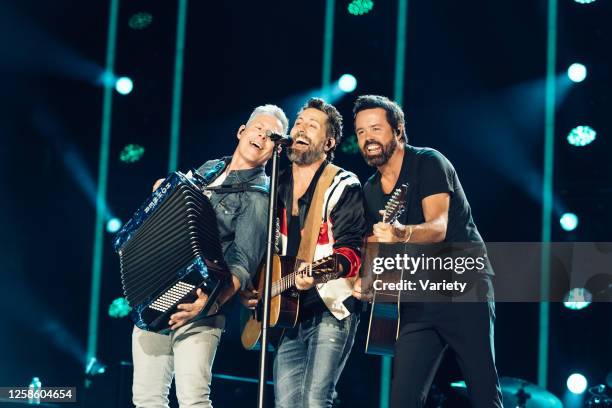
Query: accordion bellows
x,y
169,249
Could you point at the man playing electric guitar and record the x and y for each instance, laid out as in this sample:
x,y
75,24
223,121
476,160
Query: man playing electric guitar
x,y
310,356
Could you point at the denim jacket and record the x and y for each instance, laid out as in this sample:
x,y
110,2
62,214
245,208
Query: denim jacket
x,y
241,216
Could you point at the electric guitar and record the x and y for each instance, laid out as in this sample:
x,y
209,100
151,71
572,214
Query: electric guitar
x,y
284,297
383,326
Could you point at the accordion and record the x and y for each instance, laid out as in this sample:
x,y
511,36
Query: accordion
x,y
167,250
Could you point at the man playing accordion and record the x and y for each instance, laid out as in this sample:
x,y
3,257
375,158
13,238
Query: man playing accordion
x,y
187,353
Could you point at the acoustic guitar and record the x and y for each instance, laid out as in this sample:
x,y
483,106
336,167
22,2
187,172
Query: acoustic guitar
x,y
285,299
383,325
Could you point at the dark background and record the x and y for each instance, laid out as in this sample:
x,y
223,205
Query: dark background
x,y
474,89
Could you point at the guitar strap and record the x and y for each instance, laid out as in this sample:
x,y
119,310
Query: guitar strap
x,y
312,225
252,329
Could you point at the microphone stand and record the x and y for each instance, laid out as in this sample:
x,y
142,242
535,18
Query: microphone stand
x,y
265,323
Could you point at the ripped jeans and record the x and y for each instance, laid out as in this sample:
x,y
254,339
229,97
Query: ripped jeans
x,y
309,360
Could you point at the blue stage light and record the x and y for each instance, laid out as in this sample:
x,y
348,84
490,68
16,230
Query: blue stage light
x,y
360,7
119,308
581,136
584,1
347,83
107,79
124,85
94,367
569,221
577,383
113,225
577,299
140,21
577,72
459,384
131,153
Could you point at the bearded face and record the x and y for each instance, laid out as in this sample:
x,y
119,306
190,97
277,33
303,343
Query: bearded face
x,y
377,140
304,150
377,154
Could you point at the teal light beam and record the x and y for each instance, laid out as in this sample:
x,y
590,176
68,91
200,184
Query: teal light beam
x,y
328,46
105,135
179,56
547,191
400,51
398,96
385,381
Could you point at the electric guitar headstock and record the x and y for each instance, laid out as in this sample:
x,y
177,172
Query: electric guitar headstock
x,y
396,204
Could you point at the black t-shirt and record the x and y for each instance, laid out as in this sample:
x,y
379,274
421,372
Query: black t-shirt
x,y
294,237
427,172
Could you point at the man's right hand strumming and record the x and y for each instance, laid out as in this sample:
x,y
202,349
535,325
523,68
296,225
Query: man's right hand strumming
x,y
249,298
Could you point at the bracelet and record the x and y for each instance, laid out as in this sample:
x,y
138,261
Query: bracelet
x,y
409,233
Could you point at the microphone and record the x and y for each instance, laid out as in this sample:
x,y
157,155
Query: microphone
x,y
283,140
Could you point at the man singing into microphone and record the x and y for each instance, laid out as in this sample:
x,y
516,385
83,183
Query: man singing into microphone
x,y
188,352
310,356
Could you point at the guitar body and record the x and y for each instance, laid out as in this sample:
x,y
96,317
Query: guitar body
x,y
283,307
383,328
384,322
288,301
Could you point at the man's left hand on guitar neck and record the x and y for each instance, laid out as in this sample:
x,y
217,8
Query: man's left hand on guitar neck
x,y
304,282
435,211
391,234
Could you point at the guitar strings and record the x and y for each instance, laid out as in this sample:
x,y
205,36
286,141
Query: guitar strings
x,y
288,281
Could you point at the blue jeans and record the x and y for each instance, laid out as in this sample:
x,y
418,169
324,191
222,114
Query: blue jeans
x,y
310,359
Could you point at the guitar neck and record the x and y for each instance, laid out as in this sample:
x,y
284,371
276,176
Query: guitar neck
x,y
288,281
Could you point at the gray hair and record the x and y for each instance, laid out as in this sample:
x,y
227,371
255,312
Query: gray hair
x,y
271,110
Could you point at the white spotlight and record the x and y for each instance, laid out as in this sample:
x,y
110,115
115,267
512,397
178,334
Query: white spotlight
x,y
577,383
113,225
569,221
577,72
124,85
347,83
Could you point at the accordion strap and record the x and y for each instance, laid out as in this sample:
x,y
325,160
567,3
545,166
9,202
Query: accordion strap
x,y
238,188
